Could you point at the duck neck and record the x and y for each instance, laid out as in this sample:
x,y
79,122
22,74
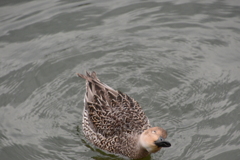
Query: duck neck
x,y
142,152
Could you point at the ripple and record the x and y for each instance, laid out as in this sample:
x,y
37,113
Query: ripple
x,y
179,60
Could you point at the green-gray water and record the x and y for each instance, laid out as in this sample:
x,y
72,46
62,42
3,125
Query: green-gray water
x,y
179,59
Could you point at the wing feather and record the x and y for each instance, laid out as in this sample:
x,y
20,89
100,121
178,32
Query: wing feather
x,y
111,112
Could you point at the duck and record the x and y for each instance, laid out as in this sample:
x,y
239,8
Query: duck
x,y
115,122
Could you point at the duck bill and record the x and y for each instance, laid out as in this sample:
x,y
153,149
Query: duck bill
x,y
162,143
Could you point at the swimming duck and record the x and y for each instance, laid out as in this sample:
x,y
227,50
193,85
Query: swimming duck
x,y
115,122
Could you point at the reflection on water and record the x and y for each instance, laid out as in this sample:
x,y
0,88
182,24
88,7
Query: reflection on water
x,y
180,60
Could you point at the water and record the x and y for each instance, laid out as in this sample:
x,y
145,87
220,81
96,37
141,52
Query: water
x,y
178,59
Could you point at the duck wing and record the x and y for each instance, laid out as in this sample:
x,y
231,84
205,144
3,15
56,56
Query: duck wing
x,y
111,112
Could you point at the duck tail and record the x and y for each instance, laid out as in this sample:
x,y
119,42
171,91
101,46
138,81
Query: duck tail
x,y
95,87
91,79
88,76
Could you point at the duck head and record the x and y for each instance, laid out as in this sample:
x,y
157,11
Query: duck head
x,y
153,139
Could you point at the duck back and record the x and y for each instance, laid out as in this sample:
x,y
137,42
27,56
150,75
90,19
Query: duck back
x,y
112,120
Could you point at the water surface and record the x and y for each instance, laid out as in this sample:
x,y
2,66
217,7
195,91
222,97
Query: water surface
x,y
179,59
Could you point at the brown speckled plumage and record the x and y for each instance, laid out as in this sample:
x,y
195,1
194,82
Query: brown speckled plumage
x,y
112,120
